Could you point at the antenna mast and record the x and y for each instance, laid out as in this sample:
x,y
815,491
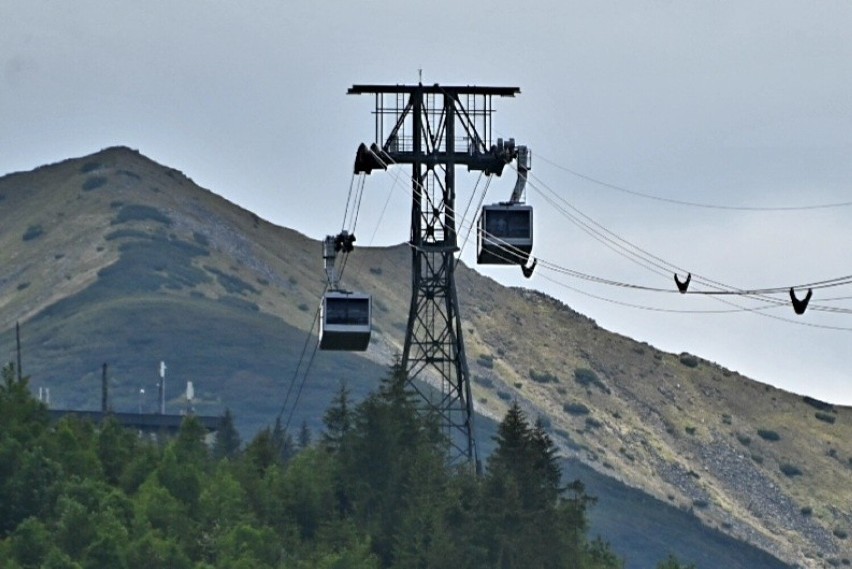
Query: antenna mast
x,y
434,129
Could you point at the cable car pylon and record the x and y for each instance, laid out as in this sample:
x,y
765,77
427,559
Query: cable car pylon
x,y
434,129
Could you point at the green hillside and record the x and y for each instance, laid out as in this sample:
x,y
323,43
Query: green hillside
x,y
114,258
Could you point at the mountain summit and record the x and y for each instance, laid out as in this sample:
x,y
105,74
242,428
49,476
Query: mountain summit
x,y
115,258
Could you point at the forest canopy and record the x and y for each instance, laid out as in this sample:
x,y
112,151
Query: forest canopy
x,y
374,490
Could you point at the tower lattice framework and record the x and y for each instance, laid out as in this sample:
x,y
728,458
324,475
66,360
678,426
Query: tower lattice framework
x,y
435,129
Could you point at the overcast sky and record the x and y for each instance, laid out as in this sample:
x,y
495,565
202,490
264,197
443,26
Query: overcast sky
x,y
745,104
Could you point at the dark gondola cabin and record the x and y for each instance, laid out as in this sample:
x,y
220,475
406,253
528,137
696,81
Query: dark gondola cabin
x,y
345,321
505,235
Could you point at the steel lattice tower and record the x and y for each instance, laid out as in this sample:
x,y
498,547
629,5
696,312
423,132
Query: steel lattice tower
x,y
434,129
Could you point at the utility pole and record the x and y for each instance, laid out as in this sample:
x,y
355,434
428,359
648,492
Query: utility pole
x,y
434,129
104,390
18,348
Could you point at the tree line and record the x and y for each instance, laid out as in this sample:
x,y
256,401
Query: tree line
x,y
373,491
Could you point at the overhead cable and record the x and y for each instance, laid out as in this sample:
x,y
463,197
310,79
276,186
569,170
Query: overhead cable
x,y
658,265
691,203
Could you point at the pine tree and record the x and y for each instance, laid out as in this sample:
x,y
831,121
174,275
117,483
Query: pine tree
x,y
115,447
513,441
27,471
228,442
261,452
21,416
525,521
304,436
390,463
337,419
545,463
189,443
283,441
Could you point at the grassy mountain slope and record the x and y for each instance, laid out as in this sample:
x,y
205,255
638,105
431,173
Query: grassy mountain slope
x,y
114,258
130,272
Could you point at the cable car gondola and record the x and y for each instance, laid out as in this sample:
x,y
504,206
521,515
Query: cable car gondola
x,y
345,317
505,235
345,320
505,231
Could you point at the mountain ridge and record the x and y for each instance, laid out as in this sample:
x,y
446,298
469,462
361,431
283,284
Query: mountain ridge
x,y
757,463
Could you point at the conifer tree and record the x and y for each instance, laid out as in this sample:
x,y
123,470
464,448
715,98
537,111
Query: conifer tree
x,y
388,459
283,442
525,520
304,436
228,442
337,419
189,443
262,452
115,447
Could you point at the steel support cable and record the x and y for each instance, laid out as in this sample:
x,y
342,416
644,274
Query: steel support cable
x,y
657,265
747,294
472,224
397,176
470,202
608,241
664,267
655,308
509,255
359,194
343,265
689,203
301,386
644,259
769,303
758,294
302,355
353,220
663,264
349,200
382,214
759,310
512,254
552,266
788,320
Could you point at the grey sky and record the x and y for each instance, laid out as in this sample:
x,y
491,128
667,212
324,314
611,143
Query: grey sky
x,y
733,103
